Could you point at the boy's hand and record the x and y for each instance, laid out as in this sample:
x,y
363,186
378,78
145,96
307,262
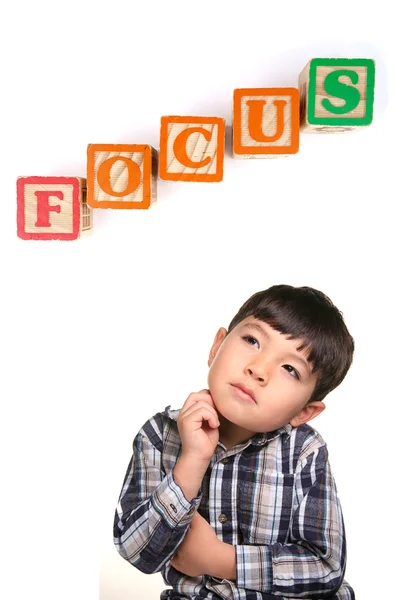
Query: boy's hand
x,y
198,424
197,551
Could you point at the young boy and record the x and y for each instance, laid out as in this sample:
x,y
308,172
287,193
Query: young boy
x,y
232,496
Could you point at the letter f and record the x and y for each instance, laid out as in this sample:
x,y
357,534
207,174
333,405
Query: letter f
x,y
44,208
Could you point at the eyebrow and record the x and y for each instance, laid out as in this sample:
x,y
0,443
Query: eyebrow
x,y
291,355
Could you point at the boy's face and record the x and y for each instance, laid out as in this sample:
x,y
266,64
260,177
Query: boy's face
x,y
266,362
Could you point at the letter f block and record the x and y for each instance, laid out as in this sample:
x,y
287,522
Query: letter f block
x,y
192,148
52,208
336,94
265,122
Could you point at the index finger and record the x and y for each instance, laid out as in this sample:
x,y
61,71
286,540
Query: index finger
x,y
196,396
206,395
208,398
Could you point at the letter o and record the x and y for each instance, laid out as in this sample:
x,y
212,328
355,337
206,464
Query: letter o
x,y
103,176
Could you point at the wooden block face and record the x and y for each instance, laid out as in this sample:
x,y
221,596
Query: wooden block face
x,y
265,122
337,93
48,208
192,148
121,176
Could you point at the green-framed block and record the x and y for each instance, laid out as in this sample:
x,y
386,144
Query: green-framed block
x,y
337,92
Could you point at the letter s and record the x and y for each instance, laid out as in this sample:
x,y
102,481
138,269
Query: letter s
x,y
334,87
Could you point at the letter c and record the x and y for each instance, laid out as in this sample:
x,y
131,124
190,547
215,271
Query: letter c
x,y
180,147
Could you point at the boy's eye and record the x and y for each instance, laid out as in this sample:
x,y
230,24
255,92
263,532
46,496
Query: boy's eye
x,y
250,339
295,373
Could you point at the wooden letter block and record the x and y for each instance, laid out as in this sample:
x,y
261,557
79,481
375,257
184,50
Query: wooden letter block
x,y
336,94
52,208
192,148
121,175
265,122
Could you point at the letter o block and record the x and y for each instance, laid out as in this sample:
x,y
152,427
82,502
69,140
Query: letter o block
x,y
52,208
121,175
336,94
265,122
192,148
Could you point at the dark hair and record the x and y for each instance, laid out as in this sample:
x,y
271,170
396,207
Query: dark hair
x,y
306,314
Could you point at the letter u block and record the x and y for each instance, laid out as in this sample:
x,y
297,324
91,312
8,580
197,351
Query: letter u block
x,y
121,175
52,208
336,94
265,122
192,148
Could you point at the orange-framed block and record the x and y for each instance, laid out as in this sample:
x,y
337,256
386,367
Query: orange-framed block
x,y
52,208
265,122
192,148
121,175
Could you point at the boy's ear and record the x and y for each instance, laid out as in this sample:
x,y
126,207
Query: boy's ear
x,y
219,338
308,412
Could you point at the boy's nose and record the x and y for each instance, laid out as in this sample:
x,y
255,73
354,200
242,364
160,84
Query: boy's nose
x,y
258,372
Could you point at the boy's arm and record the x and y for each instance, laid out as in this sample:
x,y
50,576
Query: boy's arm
x,y
312,564
153,515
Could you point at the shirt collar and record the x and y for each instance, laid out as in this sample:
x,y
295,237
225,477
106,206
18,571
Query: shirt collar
x,y
258,439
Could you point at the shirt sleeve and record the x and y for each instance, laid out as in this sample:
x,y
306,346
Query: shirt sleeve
x,y
312,563
153,515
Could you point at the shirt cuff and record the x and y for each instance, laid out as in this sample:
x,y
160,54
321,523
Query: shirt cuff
x,y
254,568
170,501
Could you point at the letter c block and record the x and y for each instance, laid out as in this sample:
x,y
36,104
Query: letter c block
x,y
121,175
52,208
265,122
336,94
192,148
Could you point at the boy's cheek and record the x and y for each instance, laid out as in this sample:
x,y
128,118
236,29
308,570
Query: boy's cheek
x,y
214,393
212,381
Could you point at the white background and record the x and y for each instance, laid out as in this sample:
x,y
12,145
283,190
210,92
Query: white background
x,y
100,334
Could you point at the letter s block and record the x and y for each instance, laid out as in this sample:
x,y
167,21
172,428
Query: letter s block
x,y
192,148
265,122
52,208
336,94
121,175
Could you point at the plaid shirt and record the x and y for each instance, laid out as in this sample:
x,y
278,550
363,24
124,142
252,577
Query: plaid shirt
x,y
272,497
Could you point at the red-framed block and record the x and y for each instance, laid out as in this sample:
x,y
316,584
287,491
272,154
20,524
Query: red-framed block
x,y
52,208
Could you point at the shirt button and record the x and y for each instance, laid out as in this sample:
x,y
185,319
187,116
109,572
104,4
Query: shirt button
x,y
224,461
222,518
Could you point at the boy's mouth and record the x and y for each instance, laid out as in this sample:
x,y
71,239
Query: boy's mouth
x,y
244,392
